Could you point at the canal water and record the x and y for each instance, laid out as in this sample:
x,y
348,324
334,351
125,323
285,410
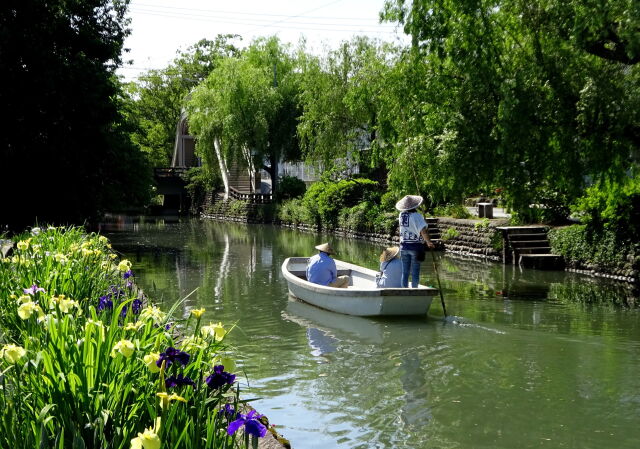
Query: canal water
x,y
538,360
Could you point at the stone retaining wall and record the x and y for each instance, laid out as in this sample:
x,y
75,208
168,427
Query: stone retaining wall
x,y
470,238
475,238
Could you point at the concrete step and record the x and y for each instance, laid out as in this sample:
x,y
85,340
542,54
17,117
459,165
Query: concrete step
x,y
529,243
533,250
534,236
542,261
513,230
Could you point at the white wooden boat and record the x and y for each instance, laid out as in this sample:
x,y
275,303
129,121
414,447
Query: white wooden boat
x,y
362,297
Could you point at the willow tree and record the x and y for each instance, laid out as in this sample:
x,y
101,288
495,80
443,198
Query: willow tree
x,y
246,111
532,97
340,97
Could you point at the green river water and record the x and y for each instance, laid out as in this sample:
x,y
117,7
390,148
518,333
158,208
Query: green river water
x,y
540,359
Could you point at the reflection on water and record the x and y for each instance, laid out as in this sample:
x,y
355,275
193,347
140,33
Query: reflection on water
x,y
542,358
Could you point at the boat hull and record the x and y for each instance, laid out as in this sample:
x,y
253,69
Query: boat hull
x,y
361,298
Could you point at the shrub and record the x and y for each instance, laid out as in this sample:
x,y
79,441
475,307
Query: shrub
x,y
613,206
481,225
237,207
449,234
582,247
290,187
325,200
200,181
294,211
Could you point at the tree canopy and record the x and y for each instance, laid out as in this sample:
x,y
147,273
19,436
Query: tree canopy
x,y
536,98
66,156
246,110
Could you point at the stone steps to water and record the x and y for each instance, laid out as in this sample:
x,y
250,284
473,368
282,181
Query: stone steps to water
x,y
528,246
541,261
529,243
535,250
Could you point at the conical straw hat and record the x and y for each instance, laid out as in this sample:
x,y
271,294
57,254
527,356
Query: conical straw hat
x,y
389,253
409,202
325,248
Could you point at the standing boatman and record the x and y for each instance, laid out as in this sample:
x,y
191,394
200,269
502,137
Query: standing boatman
x,y
413,238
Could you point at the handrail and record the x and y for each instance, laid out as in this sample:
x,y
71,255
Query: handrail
x,y
253,198
169,172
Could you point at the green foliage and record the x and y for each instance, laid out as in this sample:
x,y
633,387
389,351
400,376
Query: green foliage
x,y
82,345
64,131
497,241
290,187
584,248
481,225
450,233
526,96
339,97
451,210
243,113
294,211
615,206
367,217
156,99
237,207
201,180
326,200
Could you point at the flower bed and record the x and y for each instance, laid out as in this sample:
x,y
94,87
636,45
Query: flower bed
x,y
86,360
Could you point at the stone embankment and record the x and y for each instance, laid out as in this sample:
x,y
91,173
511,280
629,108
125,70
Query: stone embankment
x,y
481,239
474,238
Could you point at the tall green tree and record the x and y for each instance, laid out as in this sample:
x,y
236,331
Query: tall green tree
x,y
537,98
65,153
341,96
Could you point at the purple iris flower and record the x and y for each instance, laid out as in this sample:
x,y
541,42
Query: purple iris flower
x,y
136,306
228,411
33,290
127,274
251,423
105,302
173,355
178,381
219,377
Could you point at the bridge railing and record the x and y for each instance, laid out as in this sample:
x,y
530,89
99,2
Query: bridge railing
x,y
170,172
253,198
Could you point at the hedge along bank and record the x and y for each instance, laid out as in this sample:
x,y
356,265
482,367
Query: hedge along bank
x,y
101,365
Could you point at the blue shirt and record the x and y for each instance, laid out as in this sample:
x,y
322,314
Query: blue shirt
x,y
321,269
410,226
391,274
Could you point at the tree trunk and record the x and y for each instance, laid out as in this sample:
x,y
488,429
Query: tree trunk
x,y
223,167
250,168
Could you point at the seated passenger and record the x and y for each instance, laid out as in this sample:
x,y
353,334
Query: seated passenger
x,y
390,275
321,269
